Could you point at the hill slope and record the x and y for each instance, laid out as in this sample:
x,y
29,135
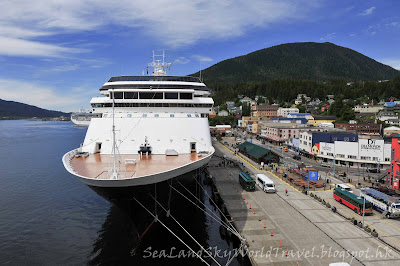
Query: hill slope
x,y
306,61
16,109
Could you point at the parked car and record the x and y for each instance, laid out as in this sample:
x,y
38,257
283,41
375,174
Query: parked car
x,y
386,190
325,165
373,170
342,174
297,157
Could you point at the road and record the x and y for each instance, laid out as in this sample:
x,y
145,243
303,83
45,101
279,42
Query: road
x,y
388,229
302,223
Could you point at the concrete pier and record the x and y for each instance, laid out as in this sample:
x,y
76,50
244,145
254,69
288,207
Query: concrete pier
x,y
304,231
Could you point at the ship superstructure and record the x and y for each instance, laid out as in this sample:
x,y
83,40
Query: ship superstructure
x,y
151,129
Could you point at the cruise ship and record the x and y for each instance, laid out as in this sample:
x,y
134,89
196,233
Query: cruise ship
x,y
153,129
83,118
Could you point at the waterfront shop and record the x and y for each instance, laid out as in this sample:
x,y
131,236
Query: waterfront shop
x,y
364,154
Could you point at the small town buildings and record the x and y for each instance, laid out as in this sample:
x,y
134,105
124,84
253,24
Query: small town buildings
x,y
223,113
395,121
280,133
266,110
257,153
299,115
386,115
391,130
308,139
220,130
230,105
393,175
285,120
364,153
368,108
315,120
285,111
368,129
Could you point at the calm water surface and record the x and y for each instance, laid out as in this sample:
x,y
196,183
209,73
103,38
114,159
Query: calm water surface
x,y
48,217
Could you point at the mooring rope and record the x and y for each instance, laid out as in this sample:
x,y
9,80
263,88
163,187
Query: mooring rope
x,y
166,227
209,254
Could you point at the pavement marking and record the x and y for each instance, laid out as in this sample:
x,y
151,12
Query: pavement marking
x,y
371,226
383,220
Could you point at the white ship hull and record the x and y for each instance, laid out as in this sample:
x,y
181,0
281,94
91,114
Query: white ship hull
x,y
82,123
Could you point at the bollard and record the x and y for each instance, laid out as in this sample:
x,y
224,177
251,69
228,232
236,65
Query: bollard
x,y
280,243
247,202
241,194
272,233
259,218
265,224
250,206
254,211
287,252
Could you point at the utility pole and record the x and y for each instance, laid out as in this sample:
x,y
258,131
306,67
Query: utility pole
x,y
363,212
334,165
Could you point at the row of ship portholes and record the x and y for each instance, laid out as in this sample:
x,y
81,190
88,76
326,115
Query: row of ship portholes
x,y
146,115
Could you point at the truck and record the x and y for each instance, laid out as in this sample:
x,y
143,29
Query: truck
x,y
387,205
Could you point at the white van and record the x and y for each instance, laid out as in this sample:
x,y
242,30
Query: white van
x,y
345,187
265,183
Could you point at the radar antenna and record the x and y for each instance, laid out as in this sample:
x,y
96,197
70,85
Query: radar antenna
x,y
159,64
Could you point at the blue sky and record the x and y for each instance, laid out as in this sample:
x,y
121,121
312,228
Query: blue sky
x,y
57,54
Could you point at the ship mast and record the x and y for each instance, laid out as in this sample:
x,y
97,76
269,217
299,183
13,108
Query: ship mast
x,y
114,174
159,64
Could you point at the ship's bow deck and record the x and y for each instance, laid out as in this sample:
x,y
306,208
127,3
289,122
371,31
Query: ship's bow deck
x,y
97,166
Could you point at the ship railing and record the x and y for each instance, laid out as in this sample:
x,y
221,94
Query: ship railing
x,y
69,156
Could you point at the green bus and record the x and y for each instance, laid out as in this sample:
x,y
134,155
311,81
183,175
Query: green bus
x,y
247,182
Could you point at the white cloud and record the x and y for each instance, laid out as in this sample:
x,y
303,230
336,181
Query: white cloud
x,y
201,58
395,63
39,95
328,36
173,22
19,47
368,11
181,60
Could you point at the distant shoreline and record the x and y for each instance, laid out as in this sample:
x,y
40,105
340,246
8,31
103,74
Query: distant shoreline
x,y
37,118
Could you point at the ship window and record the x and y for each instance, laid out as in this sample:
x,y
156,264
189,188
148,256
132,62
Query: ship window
x,y
144,115
189,115
196,115
131,95
156,115
171,95
186,96
171,115
129,115
151,95
118,95
105,115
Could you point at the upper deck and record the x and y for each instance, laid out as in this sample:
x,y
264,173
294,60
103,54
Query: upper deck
x,y
155,78
155,82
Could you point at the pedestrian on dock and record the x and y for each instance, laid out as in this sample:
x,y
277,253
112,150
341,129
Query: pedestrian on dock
x,y
286,192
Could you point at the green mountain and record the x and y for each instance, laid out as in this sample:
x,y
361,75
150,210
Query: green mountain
x,y
304,61
15,109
